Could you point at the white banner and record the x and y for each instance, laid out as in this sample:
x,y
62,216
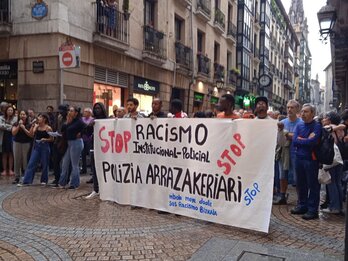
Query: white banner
x,y
212,169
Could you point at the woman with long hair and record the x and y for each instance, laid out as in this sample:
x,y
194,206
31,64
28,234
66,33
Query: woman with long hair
x,y
40,152
72,129
21,144
6,122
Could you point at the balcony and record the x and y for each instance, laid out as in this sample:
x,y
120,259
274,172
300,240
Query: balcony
x,y
183,55
219,21
184,3
5,17
219,72
112,28
288,83
203,65
154,45
232,77
231,32
204,9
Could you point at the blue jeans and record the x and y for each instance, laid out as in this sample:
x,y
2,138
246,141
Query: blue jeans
x,y
335,188
292,168
307,181
40,153
276,176
72,155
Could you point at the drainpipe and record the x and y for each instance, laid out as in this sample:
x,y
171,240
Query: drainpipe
x,y
193,62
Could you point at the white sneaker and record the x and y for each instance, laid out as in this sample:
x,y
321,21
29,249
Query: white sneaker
x,y
330,211
92,195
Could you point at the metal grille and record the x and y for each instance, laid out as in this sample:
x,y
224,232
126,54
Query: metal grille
x,y
107,76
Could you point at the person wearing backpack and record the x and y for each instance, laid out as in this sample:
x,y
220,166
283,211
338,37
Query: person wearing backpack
x,y
306,137
334,188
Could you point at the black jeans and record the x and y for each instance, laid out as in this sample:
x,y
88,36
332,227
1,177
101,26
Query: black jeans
x,y
94,174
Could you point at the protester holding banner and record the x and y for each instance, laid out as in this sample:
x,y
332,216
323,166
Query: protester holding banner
x,y
226,106
261,108
132,107
73,129
99,112
176,109
306,137
157,109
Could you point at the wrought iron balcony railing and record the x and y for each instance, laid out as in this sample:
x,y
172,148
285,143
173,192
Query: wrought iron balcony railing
x,y
203,64
219,18
219,71
204,6
231,29
183,55
112,23
154,41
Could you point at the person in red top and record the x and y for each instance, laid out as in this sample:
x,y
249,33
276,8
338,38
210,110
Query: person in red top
x,y
176,109
226,106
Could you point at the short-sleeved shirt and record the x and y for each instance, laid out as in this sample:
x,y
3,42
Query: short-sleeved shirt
x,y
289,126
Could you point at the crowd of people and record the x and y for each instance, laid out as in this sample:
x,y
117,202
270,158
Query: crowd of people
x,y
61,141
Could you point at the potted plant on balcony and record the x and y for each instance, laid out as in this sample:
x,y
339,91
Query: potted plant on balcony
x,y
235,71
125,8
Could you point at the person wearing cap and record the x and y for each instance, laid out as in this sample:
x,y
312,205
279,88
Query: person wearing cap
x,y
261,108
40,152
226,106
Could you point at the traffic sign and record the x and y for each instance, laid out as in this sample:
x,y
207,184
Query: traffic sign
x,y
67,56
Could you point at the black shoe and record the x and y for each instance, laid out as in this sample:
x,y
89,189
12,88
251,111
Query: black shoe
x,y
298,211
280,201
54,182
16,181
310,216
71,187
90,181
324,205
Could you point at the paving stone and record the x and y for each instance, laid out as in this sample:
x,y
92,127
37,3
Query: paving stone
x,y
42,223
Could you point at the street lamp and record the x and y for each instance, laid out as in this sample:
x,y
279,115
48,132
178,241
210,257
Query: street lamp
x,y
220,83
327,18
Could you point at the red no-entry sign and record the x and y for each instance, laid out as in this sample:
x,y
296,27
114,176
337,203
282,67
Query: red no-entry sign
x,y
67,57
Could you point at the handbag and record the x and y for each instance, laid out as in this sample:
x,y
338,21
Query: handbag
x,y
324,177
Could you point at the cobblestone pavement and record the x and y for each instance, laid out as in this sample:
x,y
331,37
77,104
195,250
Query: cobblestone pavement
x,y
42,223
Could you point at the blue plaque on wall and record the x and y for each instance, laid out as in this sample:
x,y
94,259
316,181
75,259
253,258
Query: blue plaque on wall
x,y
39,10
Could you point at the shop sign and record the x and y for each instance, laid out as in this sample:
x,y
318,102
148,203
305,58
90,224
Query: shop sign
x,y
145,86
38,67
214,100
39,10
198,96
8,70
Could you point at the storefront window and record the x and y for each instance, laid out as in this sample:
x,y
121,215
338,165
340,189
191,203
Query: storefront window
x,y
145,103
8,81
108,95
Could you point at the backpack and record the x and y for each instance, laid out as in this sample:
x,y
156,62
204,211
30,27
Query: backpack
x,y
325,151
343,147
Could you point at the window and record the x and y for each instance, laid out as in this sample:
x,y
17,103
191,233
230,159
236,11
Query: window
x,y
216,52
178,29
200,42
149,13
